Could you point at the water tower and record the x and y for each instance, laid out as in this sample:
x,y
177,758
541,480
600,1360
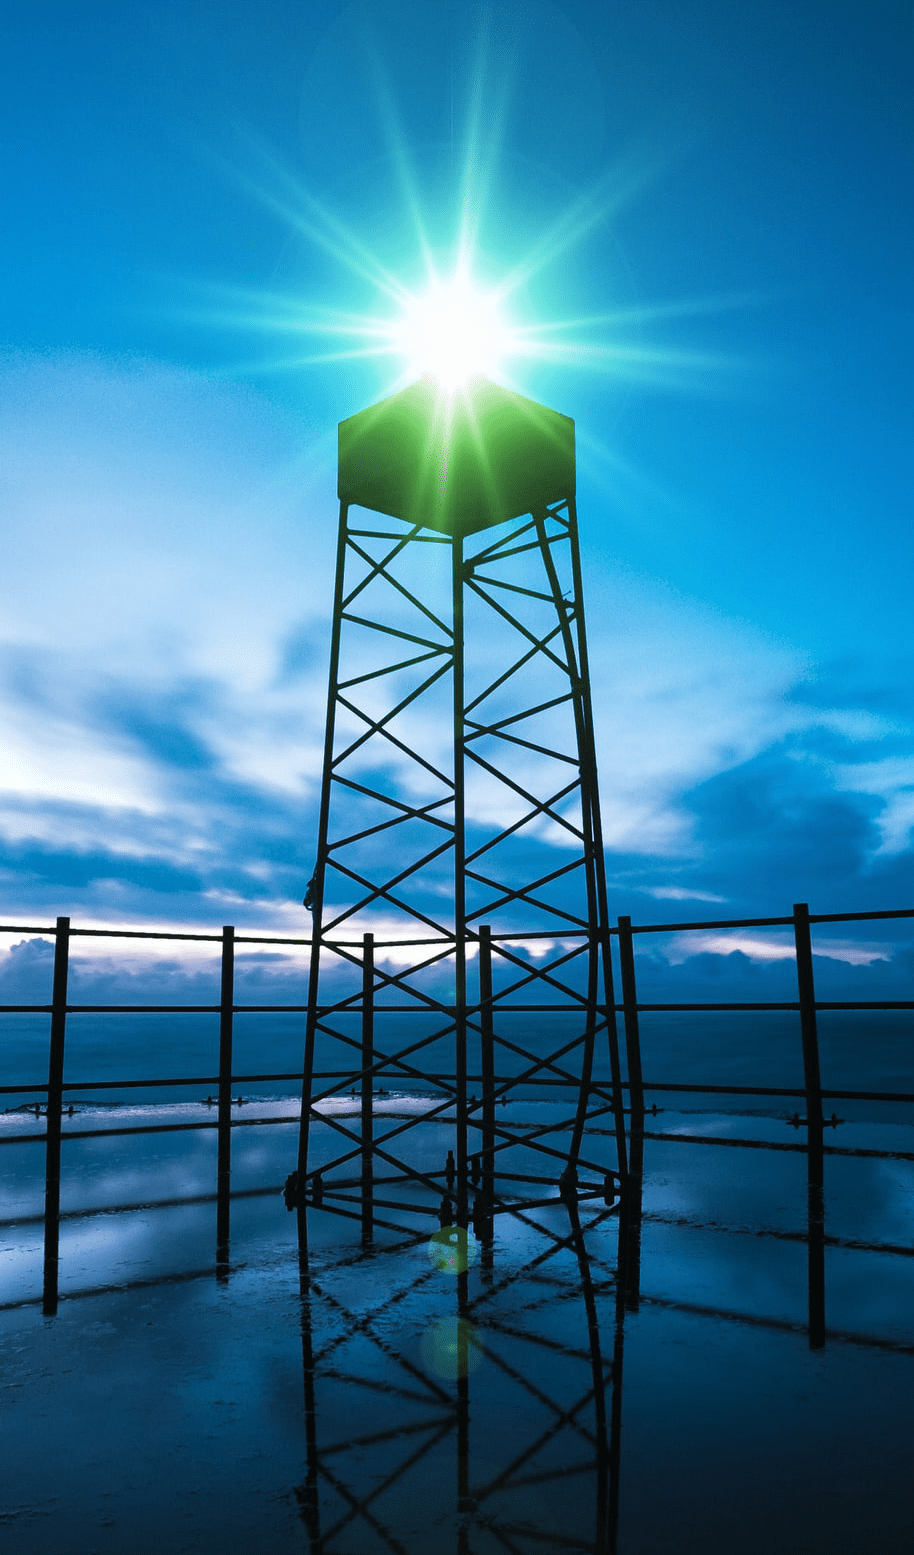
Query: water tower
x,y
460,953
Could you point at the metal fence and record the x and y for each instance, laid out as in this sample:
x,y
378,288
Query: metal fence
x,y
806,1004
54,1091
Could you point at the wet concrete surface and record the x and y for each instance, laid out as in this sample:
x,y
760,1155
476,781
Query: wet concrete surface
x,y
545,1398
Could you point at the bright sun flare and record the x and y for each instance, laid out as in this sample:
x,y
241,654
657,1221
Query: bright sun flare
x,y
454,331
450,324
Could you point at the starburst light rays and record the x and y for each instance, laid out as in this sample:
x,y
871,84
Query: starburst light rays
x,y
451,292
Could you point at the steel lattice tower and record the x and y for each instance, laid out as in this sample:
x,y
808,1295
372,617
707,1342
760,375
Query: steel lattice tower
x,y
460,939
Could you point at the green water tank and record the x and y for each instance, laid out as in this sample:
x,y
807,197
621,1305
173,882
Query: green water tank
x,y
456,462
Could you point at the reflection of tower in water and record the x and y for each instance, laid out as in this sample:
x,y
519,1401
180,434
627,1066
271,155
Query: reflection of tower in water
x,y
460,943
453,1405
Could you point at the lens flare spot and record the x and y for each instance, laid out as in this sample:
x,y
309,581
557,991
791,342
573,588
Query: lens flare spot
x,y
450,1348
453,1249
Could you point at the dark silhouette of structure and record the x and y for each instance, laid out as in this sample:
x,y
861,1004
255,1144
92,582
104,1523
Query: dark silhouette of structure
x,y
461,938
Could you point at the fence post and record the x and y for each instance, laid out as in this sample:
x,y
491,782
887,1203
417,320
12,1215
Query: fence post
x,y
815,1179
630,1223
54,1109
630,1226
487,1065
224,1119
808,1028
367,1084
815,1234
630,1016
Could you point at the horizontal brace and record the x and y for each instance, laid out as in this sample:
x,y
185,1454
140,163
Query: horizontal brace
x,y
396,820
149,1128
540,805
390,669
516,588
385,1225
530,712
50,929
392,739
143,1009
479,730
733,1005
524,820
522,896
519,627
144,1204
396,804
543,974
795,1149
820,1004
396,631
722,923
773,1090
489,552
123,1085
498,554
386,534
377,724
379,571
539,643
384,890
532,885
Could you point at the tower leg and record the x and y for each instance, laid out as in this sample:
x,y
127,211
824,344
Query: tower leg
x,y
460,905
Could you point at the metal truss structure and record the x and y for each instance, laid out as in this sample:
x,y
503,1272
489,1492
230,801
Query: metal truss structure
x,y
461,940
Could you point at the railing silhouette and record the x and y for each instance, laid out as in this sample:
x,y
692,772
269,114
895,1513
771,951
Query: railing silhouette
x,y
575,1395
630,1007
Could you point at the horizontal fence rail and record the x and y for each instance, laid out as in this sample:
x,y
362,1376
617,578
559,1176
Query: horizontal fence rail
x,y
55,1091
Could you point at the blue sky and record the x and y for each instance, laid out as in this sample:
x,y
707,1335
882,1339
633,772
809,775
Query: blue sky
x,y
188,188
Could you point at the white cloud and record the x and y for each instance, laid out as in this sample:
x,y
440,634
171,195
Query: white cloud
x,y
678,893
774,947
680,693
855,723
892,781
266,919
61,759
